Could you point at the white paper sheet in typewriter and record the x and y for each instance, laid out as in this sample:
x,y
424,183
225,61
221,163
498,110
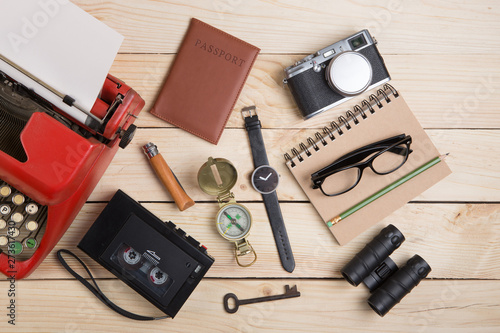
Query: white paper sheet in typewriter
x,y
60,44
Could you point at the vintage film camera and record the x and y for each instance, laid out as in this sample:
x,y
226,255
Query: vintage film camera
x,y
336,73
52,155
373,266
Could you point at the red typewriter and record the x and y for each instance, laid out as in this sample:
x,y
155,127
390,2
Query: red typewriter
x,y
50,162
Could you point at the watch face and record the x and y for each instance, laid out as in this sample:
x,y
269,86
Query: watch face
x,y
234,221
265,179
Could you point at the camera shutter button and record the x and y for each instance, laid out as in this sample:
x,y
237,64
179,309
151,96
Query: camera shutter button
x,y
316,67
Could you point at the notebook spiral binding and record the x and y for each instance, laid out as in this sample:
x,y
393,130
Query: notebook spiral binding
x,y
343,123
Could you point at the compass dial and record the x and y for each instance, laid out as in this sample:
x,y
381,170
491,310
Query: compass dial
x,y
234,221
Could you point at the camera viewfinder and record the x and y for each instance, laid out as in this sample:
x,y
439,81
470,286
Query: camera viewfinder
x,y
357,42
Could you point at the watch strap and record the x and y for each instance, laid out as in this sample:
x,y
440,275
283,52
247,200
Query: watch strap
x,y
279,231
253,126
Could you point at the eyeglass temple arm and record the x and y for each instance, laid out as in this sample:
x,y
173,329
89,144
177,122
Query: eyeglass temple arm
x,y
400,150
372,146
385,142
365,151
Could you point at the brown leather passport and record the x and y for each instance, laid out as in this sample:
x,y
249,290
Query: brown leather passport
x,y
205,81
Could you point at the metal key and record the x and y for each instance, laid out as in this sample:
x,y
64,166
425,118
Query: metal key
x,y
289,293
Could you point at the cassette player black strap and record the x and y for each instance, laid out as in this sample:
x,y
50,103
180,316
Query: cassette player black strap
x,y
96,290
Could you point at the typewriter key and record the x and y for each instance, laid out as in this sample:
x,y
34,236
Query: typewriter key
x,y
4,210
15,248
30,243
31,208
32,225
3,224
17,217
18,199
3,240
13,232
5,191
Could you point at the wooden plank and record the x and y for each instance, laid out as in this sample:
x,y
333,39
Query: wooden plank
x,y
439,95
443,58
458,240
474,178
401,27
324,305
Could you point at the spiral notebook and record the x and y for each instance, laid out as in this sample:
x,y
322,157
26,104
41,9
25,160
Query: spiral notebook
x,y
383,115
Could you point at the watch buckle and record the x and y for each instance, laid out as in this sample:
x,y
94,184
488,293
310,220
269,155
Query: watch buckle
x,y
249,110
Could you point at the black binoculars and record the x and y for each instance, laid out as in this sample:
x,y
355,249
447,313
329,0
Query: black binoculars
x,y
381,275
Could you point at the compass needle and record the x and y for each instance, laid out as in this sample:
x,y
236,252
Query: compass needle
x,y
227,229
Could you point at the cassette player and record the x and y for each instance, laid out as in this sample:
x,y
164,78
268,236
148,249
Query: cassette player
x,y
157,259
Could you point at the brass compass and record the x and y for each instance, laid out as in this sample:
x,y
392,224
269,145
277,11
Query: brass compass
x,y
233,220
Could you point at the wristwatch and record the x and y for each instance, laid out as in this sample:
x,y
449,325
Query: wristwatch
x,y
265,179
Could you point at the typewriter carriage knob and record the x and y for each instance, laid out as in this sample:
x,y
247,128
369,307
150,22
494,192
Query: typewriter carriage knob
x,y
127,136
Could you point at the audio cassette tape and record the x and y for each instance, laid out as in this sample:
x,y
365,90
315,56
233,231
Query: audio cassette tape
x,y
155,258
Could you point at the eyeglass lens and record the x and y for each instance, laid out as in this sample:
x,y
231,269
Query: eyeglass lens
x,y
390,160
341,181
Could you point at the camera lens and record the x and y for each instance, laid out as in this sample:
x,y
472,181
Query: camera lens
x,y
372,255
349,73
399,285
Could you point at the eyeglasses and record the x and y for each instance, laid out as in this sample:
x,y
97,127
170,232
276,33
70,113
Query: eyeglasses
x,y
383,157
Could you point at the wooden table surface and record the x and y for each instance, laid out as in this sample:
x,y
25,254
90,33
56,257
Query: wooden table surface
x,y
443,56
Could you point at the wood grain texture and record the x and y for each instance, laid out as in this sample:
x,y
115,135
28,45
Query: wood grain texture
x,y
458,240
475,169
442,56
324,306
460,91
297,26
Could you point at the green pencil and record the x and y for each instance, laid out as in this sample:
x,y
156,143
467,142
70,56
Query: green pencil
x,y
385,190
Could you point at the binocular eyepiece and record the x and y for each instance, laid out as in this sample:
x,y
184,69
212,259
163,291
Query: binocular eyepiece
x,y
380,274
